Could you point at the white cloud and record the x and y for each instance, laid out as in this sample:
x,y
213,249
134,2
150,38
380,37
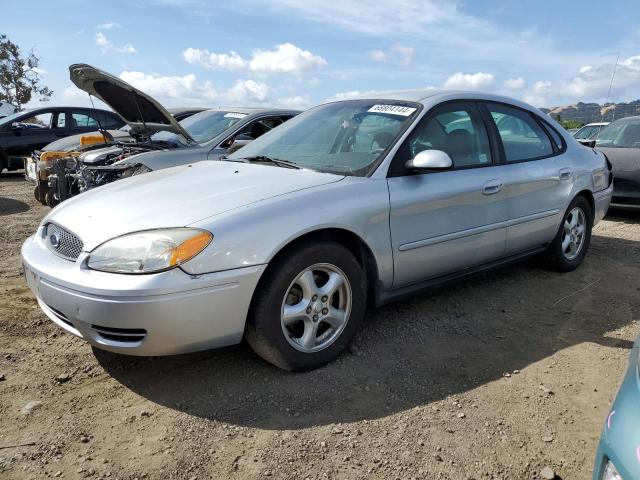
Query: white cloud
x,y
469,81
184,88
284,58
589,84
106,46
378,55
108,26
230,61
514,83
399,54
39,71
248,92
299,102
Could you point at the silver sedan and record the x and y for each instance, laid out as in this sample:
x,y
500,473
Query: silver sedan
x,y
288,241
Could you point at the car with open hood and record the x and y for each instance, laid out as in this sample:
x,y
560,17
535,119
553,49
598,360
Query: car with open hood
x,y
205,135
288,240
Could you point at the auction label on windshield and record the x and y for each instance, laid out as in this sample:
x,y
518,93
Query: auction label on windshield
x,y
235,115
392,110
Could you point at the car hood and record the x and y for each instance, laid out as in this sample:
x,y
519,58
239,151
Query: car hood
x,y
142,113
176,197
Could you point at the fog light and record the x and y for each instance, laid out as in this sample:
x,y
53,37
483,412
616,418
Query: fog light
x,y
610,472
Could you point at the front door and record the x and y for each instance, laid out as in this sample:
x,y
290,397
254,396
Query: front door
x,y
447,221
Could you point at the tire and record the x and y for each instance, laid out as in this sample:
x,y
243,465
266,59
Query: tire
x,y
49,199
565,258
39,192
312,334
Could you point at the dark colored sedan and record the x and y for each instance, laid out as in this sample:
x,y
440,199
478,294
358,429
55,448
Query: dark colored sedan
x,y
620,142
25,131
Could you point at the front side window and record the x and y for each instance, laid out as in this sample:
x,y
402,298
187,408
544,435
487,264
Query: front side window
x,y
345,138
623,133
456,129
522,137
42,120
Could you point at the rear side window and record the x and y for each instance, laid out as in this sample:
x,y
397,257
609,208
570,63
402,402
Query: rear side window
x,y
522,137
557,138
456,129
83,120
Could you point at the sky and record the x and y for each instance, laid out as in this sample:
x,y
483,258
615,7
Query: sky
x,y
298,53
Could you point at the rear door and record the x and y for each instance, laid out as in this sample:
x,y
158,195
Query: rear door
x,y
446,221
534,175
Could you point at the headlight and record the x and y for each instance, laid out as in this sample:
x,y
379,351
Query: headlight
x,y
610,472
149,251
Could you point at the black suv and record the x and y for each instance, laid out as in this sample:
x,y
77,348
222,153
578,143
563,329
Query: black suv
x,y
25,131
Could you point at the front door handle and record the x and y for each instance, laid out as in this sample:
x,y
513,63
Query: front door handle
x,y
492,186
565,173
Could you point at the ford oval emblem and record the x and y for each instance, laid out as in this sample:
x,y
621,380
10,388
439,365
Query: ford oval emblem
x,y
54,240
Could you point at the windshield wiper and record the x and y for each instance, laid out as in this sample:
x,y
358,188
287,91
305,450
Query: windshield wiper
x,y
265,159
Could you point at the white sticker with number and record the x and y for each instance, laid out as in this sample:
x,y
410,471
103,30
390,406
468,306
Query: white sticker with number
x,y
235,115
392,110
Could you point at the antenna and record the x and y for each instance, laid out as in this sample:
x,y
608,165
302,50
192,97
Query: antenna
x,y
613,75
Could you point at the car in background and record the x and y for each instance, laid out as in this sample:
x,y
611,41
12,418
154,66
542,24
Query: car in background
x,y
159,140
590,131
618,454
75,143
287,240
620,142
29,130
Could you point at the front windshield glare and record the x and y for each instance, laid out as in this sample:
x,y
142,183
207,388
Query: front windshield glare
x,y
204,126
620,134
345,138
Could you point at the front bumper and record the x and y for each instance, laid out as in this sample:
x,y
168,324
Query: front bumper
x,y
620,440
158,314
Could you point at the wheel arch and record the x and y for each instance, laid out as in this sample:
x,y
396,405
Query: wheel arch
x,y
588,195
347,238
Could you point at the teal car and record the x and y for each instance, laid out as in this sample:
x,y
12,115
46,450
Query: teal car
x,y
618,455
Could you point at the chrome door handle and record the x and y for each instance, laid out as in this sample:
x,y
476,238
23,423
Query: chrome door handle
x,y
565,173
492,186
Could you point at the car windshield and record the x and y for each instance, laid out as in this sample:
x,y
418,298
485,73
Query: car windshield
x,y
345,138
588,132
623,133
203,126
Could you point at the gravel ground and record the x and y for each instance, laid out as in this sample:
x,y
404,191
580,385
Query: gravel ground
x,y
497,377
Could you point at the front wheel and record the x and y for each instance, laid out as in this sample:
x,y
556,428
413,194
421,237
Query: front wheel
x,y
571,243
307,308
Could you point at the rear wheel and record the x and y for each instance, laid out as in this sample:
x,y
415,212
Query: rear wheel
x,y
571,243
308,307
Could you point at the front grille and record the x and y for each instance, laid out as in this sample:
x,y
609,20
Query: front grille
x,y
126,335
62,242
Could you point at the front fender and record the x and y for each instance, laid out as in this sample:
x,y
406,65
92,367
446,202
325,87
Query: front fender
x,y
254,234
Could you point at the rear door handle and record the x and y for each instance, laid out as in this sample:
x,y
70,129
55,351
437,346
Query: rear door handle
x,y
565,173
492,187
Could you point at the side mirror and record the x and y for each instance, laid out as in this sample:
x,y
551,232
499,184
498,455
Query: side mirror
x,y
430,160
17,126
587,143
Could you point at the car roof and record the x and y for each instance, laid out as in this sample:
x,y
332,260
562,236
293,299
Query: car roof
x,y
430,94
635,118
595,124
63,107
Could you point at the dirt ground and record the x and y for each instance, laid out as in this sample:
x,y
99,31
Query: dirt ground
x,y
496,377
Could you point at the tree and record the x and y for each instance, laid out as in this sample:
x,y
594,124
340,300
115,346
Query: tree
x,y
19,75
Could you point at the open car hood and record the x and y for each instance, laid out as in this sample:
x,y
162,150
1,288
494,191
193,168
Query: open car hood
x,y
142,113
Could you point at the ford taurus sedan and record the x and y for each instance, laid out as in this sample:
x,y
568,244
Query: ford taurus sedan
x,y
288,240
